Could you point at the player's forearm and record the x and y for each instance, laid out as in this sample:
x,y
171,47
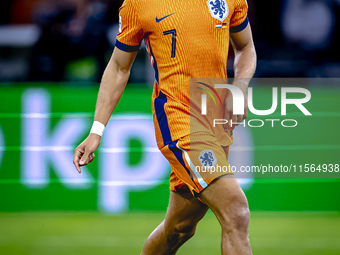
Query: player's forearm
x,y
111,89
244,66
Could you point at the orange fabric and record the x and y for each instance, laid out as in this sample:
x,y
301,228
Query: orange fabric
x,y
241,8
183,44
186,171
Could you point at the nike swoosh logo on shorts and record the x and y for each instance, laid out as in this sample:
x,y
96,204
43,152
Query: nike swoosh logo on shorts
x,y
159,20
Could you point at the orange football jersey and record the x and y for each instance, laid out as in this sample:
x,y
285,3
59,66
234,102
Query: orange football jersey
x,y
185,39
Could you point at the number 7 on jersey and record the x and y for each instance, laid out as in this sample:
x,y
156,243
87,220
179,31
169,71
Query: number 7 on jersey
x,y
173,47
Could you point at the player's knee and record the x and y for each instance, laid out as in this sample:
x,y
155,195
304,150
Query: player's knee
x,y
187,228
237,218
181,231
241,218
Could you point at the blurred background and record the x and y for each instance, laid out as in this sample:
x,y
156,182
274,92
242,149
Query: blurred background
x,y
52,56
72,40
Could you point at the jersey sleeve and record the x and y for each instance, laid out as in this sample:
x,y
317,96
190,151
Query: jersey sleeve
x,y
130,34
239,19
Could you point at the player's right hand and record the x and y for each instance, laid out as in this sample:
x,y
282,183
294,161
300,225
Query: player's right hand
x,y
84,153
235,120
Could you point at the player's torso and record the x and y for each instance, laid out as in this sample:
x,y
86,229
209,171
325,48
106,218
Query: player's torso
x,y
187,37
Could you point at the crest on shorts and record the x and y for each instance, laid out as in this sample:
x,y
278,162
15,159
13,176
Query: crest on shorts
x,y
207,158
219,9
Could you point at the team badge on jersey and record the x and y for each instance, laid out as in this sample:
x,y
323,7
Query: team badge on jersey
x,y
207,158
219,9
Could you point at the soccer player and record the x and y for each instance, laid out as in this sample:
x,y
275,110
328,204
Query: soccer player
x,y
186,40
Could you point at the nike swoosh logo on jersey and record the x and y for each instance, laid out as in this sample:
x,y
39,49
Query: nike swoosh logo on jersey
x,y
159,20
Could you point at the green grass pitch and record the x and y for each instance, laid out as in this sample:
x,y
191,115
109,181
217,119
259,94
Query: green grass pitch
x,y
88,233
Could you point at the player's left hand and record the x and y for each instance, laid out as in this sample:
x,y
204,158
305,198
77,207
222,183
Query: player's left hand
x,y
235,120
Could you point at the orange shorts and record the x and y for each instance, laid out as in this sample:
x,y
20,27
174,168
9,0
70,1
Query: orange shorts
x,y
196,160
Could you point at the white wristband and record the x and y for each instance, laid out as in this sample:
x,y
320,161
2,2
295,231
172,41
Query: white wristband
x,y
97,128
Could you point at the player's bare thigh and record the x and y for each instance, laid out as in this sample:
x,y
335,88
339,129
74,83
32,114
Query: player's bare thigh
x,y
184,210
226,199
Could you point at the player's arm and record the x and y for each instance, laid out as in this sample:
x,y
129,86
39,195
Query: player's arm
x,y
113,83
244,67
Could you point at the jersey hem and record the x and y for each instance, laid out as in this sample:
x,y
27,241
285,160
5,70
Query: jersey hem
x,y
125,47
240,27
